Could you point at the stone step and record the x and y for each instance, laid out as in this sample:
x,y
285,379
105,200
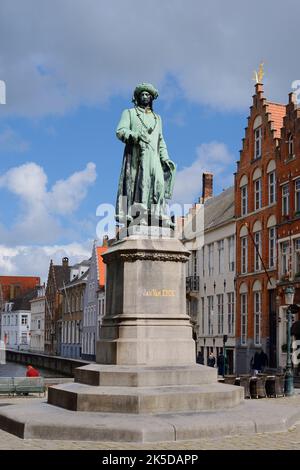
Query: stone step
x,y
129,376
136,400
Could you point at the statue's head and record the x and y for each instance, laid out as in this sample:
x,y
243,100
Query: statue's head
x,y
144,94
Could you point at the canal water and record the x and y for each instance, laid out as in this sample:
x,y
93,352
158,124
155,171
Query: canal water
x,y
13,369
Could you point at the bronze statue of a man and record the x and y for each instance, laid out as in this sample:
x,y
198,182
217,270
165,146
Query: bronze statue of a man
x,y
147,175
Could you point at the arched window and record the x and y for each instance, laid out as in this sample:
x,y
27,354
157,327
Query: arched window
x,y
290,145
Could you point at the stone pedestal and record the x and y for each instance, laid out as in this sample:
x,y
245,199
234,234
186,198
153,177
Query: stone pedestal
x,y
145,354
145,321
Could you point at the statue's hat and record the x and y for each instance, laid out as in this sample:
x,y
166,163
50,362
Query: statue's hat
x,y
145,87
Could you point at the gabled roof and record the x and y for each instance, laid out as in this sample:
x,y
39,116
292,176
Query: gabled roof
x,y
219,210
23,301
277,112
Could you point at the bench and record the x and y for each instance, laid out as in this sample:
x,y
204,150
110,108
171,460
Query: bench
x,y
29,385
7,386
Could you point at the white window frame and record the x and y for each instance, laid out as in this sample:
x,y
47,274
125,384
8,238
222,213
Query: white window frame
x,y
244,319
210,311
244,200
272,247
285,191
211,259
284,259
272,187
258,250
230,312
257,318
297,255
231,253
220,306
244,255
221,256
257,142
290,146
257,194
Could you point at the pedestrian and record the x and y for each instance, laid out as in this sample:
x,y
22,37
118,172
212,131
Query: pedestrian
x,y
211,360
32,372
255,363
263,360
200,358
221,364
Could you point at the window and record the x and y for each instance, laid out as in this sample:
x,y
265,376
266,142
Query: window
x,y
244,255
24,320
297,256
257,142
203,261
195,263
231,253
257,194
285,199
230,310
243,319
221,256
272,187
39,324
210,308
272,247
285,258
257,254
220,299
24,338
297,195
202,313
290,146
257,317
210,259
244,200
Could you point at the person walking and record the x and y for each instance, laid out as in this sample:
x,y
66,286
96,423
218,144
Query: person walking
x,y
211,360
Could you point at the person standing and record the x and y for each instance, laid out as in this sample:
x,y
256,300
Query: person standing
x,y
32,372
211,361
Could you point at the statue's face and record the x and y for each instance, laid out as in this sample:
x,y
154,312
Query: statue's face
x,y
145,98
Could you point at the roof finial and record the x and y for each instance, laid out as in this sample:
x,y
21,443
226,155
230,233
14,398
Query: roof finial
x,y
259,75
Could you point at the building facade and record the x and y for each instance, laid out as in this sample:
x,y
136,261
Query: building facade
x,y
93,301
72,311
16,322
256,221
58,276
37,324
211,276
288,220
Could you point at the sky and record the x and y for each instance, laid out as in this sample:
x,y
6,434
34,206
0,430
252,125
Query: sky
x,y
70,68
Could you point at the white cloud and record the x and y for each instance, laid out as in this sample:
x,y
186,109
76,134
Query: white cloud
x,y
213,157
10,141
35,260
64,53
38,220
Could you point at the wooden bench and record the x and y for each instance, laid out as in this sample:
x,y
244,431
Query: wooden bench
x,y
29,385
7,386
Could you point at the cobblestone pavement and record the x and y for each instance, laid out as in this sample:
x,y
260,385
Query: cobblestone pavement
x,y
279,441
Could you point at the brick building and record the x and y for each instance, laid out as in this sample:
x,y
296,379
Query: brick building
x,y
256,220
58,276
288,217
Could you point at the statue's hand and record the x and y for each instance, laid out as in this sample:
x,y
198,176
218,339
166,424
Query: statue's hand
x,y
171,165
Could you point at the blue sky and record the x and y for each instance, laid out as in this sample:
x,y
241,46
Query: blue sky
x,y
69,76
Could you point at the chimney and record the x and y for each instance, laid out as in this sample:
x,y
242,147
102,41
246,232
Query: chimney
x,y
65,262
207,186
105,240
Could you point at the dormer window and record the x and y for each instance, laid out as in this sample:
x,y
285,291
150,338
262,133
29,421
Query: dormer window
x,y
257,129
290,146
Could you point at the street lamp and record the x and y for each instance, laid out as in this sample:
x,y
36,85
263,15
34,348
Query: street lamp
x,y
289,379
